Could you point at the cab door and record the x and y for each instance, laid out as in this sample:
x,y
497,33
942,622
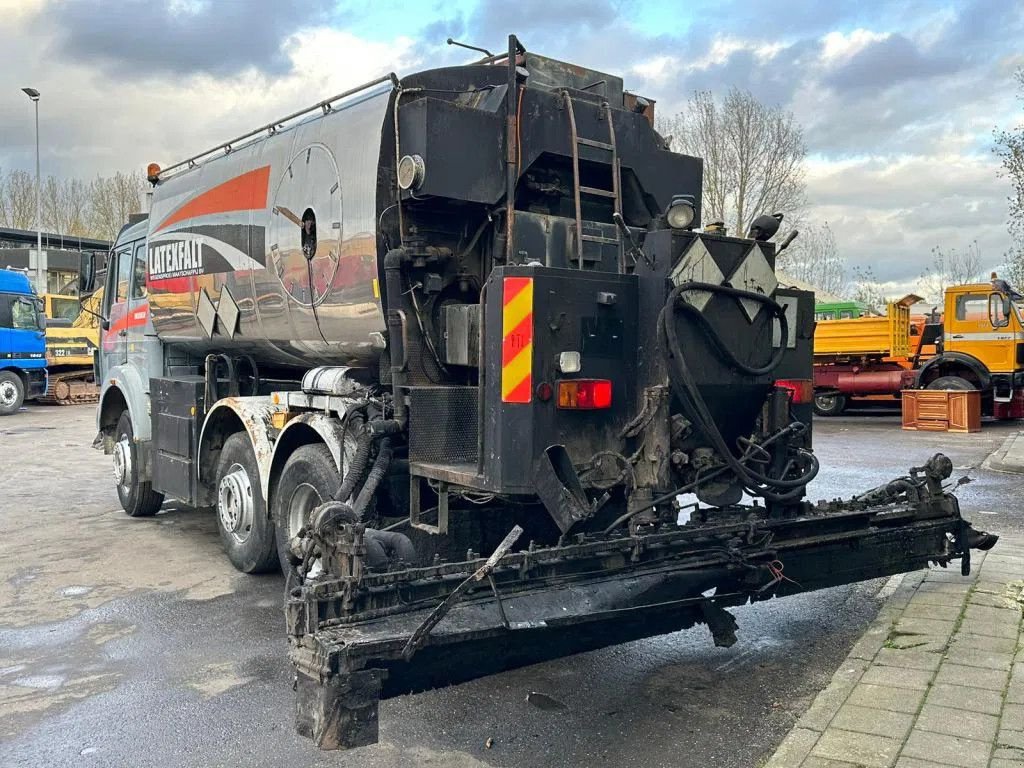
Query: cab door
x,y
114,335
974,329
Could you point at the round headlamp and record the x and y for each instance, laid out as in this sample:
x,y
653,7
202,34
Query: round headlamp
x,y
680,213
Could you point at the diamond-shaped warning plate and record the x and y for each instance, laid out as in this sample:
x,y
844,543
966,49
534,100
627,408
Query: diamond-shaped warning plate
x,y
227,313
206,312
754,274
697,265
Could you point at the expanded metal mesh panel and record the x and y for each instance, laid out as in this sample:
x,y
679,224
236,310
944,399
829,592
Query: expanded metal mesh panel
x,y
443,424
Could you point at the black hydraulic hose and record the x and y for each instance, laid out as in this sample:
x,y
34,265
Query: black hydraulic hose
x,y
683,383
751,449
384,546
373,480
712,333
357,469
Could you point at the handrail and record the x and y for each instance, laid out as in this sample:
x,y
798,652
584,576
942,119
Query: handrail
x,y
272,128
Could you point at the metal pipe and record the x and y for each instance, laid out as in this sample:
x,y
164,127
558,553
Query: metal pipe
x,y
396,330
511,147
272,126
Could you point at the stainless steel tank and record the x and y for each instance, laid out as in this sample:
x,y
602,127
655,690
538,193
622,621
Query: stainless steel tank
x,y
270,248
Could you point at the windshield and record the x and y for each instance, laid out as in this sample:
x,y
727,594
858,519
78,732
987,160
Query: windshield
x,y
64,307
27,314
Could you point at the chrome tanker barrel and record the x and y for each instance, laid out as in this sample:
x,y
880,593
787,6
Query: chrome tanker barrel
x,y
269,249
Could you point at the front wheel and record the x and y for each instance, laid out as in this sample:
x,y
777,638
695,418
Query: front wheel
x,y
246,530
137,497
831,404
12,392
951,382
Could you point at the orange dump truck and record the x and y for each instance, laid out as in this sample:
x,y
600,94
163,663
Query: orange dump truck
x,y
978,343
864,357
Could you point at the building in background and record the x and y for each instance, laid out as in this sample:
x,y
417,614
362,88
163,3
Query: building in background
x,y
60,257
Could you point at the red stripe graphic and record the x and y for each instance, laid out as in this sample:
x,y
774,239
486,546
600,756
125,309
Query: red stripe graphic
x,y
243,193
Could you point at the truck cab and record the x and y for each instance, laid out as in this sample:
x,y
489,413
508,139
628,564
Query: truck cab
x,y
22,343
982,348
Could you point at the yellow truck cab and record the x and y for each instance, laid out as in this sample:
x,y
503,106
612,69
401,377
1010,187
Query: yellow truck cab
x,y
982,347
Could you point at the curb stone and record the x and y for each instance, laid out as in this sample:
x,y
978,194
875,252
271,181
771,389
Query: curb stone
x,y
955,697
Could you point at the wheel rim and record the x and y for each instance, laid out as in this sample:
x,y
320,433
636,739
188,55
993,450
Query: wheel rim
x,y
235,503
123,463
304,499
8,393
826,402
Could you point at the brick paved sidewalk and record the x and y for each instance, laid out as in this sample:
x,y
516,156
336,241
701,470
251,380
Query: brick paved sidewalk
x,y
937,680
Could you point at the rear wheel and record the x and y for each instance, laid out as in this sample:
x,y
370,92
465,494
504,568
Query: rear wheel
x,y
830,404
12,392
309,478
246,530
137,497
951,382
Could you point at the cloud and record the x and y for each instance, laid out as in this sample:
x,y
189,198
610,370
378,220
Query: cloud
x,y
136,38
897,101
887,61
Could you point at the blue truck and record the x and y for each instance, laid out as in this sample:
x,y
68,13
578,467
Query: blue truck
x,y
22,342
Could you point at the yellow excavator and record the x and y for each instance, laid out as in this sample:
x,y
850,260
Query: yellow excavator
x,y
72,335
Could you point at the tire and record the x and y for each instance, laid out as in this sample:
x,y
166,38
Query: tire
x,y
829,404
12,393
309,478
137,498
951,382
246,530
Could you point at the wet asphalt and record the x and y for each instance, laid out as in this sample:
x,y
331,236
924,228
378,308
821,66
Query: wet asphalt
x,y
149,651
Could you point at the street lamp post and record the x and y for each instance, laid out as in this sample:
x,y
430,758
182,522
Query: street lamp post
x,y
33,94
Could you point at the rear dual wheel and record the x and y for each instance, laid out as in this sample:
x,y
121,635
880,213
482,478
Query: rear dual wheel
x,y
309,478
829,404
246,530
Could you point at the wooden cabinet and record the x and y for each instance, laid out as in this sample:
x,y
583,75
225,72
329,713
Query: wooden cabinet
x,y
941,410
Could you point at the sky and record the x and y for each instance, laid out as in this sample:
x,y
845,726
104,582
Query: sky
x,y
897,100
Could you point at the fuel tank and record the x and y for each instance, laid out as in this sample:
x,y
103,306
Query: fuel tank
x,y
270,248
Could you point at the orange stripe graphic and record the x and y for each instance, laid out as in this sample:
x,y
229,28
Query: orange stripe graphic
x,y
517,340
243,193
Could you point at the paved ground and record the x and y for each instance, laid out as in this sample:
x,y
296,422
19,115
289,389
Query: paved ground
x,y
937,680
132,642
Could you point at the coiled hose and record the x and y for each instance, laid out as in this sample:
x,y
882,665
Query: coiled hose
x,y
685,386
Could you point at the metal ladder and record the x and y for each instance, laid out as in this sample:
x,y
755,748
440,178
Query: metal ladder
x,y
579,191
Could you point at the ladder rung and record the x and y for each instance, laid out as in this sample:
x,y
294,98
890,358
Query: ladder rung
x,y
597,144
598,192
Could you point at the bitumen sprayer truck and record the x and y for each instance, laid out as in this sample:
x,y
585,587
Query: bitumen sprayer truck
x,y
453,350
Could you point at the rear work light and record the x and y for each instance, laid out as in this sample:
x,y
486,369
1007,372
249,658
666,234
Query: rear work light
x,y
801,391
585,394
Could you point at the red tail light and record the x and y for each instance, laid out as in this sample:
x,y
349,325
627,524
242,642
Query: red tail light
x,y
800,390
585,394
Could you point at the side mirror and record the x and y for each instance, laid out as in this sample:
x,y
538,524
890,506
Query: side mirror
x,y
998,310
86,273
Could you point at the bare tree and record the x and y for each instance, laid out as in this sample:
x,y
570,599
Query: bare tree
x,y
19,200
867,289
753,156
814,258
1009,146
65,206
953,266
113,199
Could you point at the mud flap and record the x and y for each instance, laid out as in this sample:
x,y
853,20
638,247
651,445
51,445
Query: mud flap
x,y
560,489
